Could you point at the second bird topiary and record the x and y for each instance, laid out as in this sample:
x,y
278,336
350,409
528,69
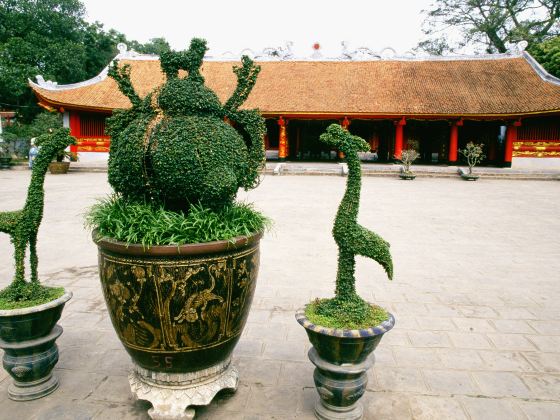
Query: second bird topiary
x,y
179,146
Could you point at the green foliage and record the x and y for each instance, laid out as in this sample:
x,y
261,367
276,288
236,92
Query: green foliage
x,y
23,225
491,25
408,157
351,238
473,154
548,55
346,314
150,224
174,147
25,295
51,38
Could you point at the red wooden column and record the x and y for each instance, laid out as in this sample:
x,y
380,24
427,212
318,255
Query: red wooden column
x,y
399,137
345,125
454,140
282,140
75,129
511,137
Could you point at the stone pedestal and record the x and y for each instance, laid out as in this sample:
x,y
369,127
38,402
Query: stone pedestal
x,y
340,387
171,394
30,363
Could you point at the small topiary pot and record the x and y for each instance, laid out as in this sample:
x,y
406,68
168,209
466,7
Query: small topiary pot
x,y
407,175
5,162
469,177
28,337
59,168
179,311
341,358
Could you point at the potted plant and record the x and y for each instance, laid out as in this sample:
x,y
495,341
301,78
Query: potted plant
x,y
408,156
178,257
345,330
58,165
28,310
5,156
473,155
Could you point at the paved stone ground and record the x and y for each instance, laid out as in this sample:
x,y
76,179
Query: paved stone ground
x,y
475,296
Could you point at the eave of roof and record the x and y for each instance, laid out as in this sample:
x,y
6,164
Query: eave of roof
x,y
370,89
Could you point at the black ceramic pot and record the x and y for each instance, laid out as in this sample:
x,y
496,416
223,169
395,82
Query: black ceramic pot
x,y
5,162
28,337
469,177
182,308
407,175
342,359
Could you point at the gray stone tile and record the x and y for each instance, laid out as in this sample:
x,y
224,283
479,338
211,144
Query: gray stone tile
x,y
515,313
386,406
501,384
415,357
248,348
541,410
469,340
136,410
296,374
545,362
449,381
543,386
400,379
396,337
513,326
546,327
473,325
280,401
461,359
473,311
113,389
287,350
505,361
67,410
482,408
258,371
429,339
548,343
429,408
511,342
436,323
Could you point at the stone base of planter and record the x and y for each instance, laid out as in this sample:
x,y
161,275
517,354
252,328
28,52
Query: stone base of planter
x,y
30,364
342,384
58,168
172,393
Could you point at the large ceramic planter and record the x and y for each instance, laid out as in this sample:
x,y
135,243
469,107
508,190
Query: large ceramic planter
x,y
59,168
342,359
179,312
28,337
407,175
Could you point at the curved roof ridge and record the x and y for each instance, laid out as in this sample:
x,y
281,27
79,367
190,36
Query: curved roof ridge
x,y
540,70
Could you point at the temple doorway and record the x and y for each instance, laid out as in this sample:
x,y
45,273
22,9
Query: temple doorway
x,y
429,138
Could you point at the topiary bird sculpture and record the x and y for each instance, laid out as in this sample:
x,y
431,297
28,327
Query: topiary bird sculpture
x,y
23,225
352,239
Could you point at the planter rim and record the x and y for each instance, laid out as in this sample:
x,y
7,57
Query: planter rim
x,y
347,333
38,308
120,247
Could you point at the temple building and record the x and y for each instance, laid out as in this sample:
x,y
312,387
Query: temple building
x,y
508,102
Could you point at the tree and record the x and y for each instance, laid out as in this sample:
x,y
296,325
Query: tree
x,y
548,54
155,46
491,25
51,38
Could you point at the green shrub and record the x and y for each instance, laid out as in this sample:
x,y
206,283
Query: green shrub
x,y
175,148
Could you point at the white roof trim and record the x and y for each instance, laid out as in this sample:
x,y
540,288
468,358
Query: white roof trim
x,y
540,70
285,54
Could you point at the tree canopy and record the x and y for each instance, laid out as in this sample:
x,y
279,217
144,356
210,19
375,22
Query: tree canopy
x,y
52,38
548,54
488,25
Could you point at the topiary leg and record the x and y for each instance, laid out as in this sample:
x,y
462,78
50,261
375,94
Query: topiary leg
x,y
20,260
33,259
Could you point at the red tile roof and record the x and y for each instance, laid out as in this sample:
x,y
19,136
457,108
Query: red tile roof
x,y
498,86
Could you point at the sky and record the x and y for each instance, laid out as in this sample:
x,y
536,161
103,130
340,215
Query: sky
x,y
238,24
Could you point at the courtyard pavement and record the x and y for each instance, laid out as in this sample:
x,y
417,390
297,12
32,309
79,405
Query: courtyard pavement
x,y
475,296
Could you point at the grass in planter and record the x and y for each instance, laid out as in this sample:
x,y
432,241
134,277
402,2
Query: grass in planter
x,y
346,314
150,224
26,294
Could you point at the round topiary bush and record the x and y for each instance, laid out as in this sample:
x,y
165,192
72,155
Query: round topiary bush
x,y
179,146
